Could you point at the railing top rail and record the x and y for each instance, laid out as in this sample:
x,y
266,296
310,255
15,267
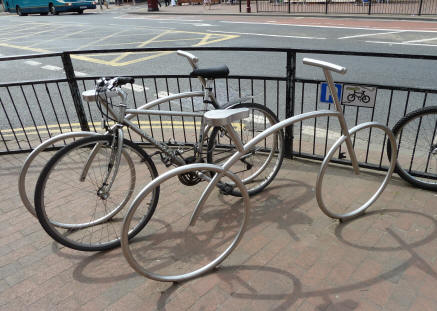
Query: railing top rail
x,y
29,56
242,49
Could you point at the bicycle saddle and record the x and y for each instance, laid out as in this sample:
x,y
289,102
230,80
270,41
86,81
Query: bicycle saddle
x,y
224,117
211,73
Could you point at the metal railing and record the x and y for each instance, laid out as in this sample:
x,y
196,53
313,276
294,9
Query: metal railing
x,y
386,7
33,111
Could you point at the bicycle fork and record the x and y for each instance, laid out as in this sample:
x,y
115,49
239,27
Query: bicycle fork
x,y
114,158
112,166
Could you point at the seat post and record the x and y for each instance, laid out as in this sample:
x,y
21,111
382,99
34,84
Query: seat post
x,y
208,90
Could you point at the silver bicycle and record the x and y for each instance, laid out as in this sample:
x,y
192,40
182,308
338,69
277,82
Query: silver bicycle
x,y
80,193
192,231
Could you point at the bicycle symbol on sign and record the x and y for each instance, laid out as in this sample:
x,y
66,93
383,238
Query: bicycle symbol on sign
x,y
359,95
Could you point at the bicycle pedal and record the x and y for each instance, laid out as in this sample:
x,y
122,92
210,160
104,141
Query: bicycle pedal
x,y
225,189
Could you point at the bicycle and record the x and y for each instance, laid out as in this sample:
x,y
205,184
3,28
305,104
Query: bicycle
x,y
416,135
207,226
105,167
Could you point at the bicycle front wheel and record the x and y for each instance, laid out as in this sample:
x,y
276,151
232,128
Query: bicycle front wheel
x,y
416,138
68,200
171,247
36,160
259,166
340,192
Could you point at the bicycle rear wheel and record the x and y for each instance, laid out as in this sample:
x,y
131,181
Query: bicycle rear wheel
x,y
169,248
73,211
258,167
363,189
416,138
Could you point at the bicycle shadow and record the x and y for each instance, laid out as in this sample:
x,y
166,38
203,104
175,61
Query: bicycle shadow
x,y
265,211
247,282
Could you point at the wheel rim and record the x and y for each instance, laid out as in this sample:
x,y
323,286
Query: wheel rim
x,y
168,230
361,209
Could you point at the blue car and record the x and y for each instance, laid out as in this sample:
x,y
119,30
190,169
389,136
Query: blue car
x,y
44,7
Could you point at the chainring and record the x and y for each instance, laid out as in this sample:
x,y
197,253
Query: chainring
x,y
189,179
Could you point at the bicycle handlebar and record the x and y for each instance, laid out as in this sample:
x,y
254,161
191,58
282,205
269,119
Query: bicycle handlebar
x,y
193,60
324,65
124,80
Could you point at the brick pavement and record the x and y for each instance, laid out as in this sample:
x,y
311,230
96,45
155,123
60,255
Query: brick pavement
x,y
292,257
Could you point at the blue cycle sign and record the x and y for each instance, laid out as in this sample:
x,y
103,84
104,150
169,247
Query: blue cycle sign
x,y
325,95
349,94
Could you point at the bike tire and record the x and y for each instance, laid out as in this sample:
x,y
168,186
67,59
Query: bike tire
x,y
416,139
359,186
70,209
258,167
171,248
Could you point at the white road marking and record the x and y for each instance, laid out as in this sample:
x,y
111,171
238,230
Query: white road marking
x,y
266,35
402,43
203,25
329,26
162,94
371,34
139,27
136,87
80,74
421,40
158,19
32,63
50,67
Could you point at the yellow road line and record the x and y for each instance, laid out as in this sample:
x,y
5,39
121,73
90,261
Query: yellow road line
x,y
100,40
31,34
158,41
141,45
60,37
206,39
26,48
77,125
56,131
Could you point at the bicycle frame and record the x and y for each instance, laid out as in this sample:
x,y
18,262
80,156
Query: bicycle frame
x,y
326,67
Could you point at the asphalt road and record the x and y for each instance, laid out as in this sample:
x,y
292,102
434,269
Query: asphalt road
x,y
118,29
39,34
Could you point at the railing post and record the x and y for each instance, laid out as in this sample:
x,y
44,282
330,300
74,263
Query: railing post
x,y
289,6
326,6
420,8
370,6
74,88
289,101
240,6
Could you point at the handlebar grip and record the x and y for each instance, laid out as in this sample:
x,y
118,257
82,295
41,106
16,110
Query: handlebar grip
x,y
324,65
125,80
191,58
